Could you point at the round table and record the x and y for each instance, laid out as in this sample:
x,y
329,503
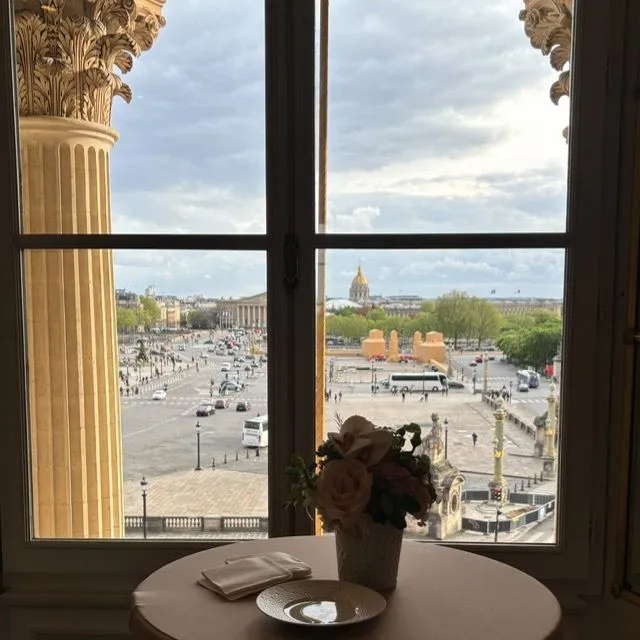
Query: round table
x,y
442,594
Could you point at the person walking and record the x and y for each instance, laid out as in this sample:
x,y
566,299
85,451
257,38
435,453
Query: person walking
x,y
340,396
335,398
426,396
474,437
403,396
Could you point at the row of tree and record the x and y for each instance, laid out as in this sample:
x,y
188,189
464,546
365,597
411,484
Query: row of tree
x,y
457,315
146,315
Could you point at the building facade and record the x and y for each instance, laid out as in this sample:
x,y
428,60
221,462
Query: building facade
x,y
359,290
245,313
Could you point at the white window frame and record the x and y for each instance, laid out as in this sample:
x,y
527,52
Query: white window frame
x,y
575,565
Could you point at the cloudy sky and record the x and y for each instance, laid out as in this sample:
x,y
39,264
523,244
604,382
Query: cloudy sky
x,y
439,121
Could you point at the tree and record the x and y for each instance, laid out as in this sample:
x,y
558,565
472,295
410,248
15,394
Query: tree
x,y
453,315
484,320
202,319
125,319
149,312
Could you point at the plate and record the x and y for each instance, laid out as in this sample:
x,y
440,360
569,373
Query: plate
x,y
320,603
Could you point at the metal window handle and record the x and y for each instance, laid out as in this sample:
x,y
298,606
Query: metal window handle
x,y
291,267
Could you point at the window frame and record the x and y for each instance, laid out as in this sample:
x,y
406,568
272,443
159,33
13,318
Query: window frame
x,y
576,563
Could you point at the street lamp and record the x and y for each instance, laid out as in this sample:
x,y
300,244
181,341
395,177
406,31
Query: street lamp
x,y
143,486
510,389
446,438
498,514
198,467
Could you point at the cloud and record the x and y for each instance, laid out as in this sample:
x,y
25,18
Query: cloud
x,y
439,121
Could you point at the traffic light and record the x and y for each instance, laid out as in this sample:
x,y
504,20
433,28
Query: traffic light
x,y
496,494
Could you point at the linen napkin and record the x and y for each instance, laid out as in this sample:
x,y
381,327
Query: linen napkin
x,y
297,568
244,576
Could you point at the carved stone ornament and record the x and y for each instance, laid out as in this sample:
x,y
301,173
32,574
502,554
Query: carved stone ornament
x,y
67,51
548,24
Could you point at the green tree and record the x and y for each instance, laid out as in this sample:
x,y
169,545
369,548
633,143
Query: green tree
x,y
126,319
453,315
484,321
202,319
149,312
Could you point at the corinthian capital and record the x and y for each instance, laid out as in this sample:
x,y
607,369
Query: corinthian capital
x,y
68,50
547,24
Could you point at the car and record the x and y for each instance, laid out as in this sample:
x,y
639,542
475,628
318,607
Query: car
x,y
243,405
247,367
479,359
225,367
240,358
250,356
492,358
159,394
263,358
181,347
523,387
231,386
455,384
236,365
205,410
222,403
473,363
221,352
230,352
254,364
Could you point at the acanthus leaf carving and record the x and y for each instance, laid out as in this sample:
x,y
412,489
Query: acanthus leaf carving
x,y
548,24
66,61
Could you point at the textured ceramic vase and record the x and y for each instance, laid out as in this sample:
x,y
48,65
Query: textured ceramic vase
x,y
372,559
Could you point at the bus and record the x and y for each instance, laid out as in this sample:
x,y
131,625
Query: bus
x,y
530,378
426,381
255,432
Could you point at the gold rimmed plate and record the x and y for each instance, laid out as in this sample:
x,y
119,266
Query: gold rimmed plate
x,y
320,603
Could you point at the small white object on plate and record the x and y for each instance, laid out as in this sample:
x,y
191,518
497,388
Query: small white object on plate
x,y
325,603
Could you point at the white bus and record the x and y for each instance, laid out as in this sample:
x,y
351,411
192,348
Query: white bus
x,y
255,432
426,381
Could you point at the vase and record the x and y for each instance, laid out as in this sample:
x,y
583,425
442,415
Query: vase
x,y
370,559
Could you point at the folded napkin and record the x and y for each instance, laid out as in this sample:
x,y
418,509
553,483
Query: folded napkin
x,y
243,575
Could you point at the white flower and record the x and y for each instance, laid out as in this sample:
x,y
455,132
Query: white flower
x,y
361,439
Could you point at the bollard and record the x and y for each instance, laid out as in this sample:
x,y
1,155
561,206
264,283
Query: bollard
x,y
213,462
522,486
529,482
257,452
535,479
225,458
247,450
541,477
236,456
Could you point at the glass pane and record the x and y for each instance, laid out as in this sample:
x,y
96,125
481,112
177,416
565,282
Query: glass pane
x,y
443,126
147,393
186,156
633,534
467,345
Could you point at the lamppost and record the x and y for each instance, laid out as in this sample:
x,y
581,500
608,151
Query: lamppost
x,y
143,486
198,467
475,375
446,438
498,514
510,389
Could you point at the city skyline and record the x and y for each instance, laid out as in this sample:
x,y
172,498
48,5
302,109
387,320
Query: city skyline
x,y
433,127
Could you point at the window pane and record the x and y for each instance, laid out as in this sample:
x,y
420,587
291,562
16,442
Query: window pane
x,y
147,376
186,156
633,534
467,345
443,126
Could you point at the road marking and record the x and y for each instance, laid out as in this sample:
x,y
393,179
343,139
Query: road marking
x,y
155,426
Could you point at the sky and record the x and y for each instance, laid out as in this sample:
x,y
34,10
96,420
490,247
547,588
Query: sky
x,y
439,121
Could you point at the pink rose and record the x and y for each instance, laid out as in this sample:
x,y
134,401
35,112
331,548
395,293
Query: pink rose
x,y
391,471
423,495
343,490
361,439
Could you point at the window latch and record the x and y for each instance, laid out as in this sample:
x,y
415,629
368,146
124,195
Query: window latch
x,y
290,253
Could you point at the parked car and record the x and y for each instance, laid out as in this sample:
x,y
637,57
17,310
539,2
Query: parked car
x,y
205,410
222,403
243,405
159,394
225,367
524,387
455,384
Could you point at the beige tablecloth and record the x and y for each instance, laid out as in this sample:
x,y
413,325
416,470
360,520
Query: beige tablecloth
x,y
442,594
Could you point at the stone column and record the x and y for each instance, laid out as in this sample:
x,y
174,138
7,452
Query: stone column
x,y
498,481
65,56
549,453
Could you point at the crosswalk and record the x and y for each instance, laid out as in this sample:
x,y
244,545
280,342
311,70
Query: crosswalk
x,y
528,401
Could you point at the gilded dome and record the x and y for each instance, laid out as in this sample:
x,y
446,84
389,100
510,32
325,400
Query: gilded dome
x,y
360,278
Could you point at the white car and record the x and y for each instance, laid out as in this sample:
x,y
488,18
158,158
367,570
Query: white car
x,y
225,367
159,394
524,387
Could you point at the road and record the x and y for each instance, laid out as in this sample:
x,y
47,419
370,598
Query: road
x,y
159,436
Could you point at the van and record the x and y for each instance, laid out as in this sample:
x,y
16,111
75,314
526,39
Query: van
x,y
255,432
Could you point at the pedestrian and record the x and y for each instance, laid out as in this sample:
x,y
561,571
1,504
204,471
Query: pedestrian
x,y
426,396
474,437
403,396
446,391
335,398
340,396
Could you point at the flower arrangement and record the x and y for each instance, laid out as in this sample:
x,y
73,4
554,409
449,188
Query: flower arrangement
x,y
365,471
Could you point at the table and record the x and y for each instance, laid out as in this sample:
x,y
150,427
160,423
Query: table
x,y
442,594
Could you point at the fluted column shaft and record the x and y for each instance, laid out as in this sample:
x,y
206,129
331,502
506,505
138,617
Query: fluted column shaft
x,y
70,315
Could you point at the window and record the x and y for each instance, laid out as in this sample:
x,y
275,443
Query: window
x,y
284,248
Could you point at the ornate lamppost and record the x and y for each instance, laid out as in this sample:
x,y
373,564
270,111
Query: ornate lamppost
x,y
198,467
143,486
446,438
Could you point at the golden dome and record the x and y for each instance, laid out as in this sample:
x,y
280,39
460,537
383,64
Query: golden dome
x,y
360,278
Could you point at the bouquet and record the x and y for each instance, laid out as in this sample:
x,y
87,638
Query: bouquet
x,y
364,471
